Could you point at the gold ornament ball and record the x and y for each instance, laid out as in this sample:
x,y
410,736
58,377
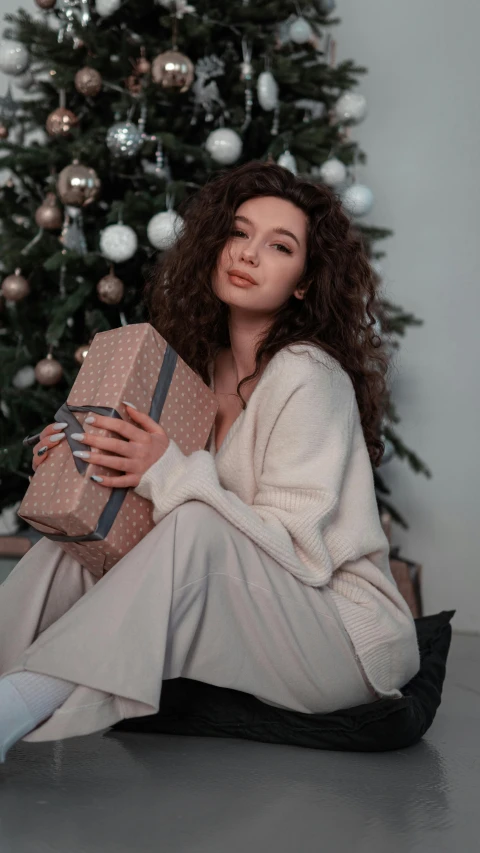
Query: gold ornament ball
x,y
48,215
88,81
81,353
48,371
15,287
46,4
3,132
173,70
110,289
61,122
78,185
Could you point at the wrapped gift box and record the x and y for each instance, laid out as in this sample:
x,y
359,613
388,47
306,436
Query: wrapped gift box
x,y
94,524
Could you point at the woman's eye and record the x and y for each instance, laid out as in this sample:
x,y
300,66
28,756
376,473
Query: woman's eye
x,y
236,233
284,248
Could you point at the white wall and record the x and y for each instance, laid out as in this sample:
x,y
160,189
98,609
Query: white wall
x,y
421,138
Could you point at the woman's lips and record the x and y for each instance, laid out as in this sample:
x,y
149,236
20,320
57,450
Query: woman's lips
x,y
240,282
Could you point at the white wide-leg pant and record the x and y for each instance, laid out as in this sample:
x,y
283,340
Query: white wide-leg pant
x,y
196,598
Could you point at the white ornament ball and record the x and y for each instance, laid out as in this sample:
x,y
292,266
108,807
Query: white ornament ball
x,y
224,145
14,57
357,200
333,172
164,229
352,107
287,160
267,90
24,378
300,31
104,8
118,243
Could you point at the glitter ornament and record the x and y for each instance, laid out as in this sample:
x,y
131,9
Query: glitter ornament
x,y
333,172
15,287
267,90
357,200
14,57
78,185
61,121
81,353
110,289
173,70
124,139
48,371
351,107
45,4
300,31
104,8
48,215
118,243
88,81
164,229
224,145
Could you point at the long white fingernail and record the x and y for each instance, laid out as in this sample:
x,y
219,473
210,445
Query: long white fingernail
x,y
126,403
60,426
57,437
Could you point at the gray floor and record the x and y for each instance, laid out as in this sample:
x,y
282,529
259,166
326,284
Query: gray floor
x,y
110,793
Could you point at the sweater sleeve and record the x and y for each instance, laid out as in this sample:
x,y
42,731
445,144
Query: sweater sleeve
x,y
299,487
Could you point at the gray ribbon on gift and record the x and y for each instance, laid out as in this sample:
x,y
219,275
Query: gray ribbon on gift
x,y
65,414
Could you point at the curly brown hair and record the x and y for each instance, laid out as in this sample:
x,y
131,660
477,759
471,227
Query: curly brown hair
x,y
335,314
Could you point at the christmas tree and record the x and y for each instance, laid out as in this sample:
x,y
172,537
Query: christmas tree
x,y
138,103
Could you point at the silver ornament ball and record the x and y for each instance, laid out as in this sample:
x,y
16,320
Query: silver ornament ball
x,y
124,139
118,243
333,172
300,31
357,200
104,8
164,229
287,160
224,145
351,107
24,378
267,91
14,57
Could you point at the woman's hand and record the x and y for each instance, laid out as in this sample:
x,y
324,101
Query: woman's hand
x,y
49,437
138,449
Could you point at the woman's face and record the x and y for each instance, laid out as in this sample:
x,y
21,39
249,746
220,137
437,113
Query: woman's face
x,y
268,243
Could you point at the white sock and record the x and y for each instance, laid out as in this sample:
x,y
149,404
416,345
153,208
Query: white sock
x,y
26,699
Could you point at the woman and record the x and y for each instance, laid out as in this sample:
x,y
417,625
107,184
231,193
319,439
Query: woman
x,y
267,570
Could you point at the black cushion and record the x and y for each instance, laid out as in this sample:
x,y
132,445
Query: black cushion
x,y
194,708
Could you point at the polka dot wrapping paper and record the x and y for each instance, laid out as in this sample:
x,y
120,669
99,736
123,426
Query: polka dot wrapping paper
x,y
121,364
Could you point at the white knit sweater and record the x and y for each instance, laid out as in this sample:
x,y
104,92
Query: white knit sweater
x,y
294,474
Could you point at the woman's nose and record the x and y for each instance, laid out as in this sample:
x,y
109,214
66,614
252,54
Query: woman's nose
x,y
249,254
